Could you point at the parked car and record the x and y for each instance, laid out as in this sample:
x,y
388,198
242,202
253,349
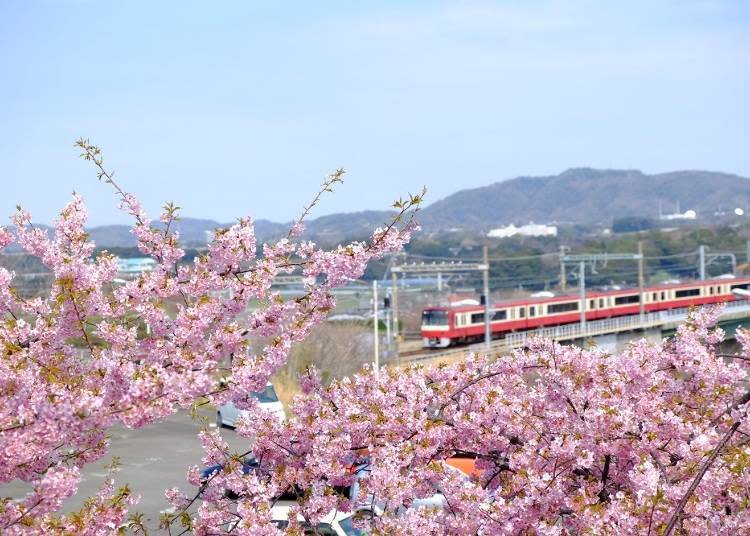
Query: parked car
x,y
437,500
248,465
334,524
228,414
251,464
360,468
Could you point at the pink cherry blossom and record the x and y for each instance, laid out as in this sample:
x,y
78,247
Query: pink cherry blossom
x,y
562,440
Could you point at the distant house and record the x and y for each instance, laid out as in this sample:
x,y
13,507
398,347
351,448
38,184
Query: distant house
x,y
678,214
532,229
135,266
687,215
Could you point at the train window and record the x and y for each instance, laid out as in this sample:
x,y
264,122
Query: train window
x,y
532,311
653,296
601,302
592,304
663,295
562,307
434,318
686,293
623,300
477,318
744,286
710,290
499,314
521,312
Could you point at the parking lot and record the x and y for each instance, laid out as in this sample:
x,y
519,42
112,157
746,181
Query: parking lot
x,y
152,459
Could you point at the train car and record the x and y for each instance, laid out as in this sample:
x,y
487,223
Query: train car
x,y
446,326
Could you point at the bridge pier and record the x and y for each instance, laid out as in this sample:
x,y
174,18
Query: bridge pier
x,y
616,342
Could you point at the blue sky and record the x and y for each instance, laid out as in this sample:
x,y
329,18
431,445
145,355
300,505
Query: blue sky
x,y
237,108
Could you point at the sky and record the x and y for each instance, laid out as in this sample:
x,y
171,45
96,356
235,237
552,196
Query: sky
x,y
240,108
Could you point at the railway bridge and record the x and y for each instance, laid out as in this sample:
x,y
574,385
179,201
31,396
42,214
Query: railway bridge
x,y
611,333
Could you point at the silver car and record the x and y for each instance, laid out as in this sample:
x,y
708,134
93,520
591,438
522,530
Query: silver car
x,y
228,414
334,524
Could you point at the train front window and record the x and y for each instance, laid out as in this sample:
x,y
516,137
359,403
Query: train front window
x,y
269,395
435,318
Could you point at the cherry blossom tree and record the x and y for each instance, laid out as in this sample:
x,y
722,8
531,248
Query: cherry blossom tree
x,y
57,406
566,441
653,440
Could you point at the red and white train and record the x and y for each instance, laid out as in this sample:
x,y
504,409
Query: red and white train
x,y
445,326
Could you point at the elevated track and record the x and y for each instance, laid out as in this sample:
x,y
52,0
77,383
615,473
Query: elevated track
x,y
664,320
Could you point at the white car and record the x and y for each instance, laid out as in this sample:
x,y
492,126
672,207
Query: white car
x,y
334,524
369,502
228,414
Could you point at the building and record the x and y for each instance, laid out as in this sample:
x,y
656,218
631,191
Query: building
x,y
134,267
532,229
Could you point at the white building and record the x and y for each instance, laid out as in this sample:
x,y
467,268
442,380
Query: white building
x,y
677,214
532,229
687,215
135,266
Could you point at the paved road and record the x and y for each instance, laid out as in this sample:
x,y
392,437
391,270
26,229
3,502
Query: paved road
x,y
152,458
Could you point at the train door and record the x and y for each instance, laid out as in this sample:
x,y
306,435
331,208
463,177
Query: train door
x,y
603,308
531,322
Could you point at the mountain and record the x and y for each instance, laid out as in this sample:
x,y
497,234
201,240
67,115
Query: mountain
x,y
328,230
587,196
192,232
338,227
579,196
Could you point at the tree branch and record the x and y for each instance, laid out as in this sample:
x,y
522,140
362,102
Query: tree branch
x,y
697,480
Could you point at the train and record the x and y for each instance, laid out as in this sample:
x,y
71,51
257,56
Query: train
x,y
447,326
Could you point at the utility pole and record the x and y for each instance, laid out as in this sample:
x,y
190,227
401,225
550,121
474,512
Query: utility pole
x,y
486,285
563,282
375,322
389,341
435,268
582,294
747,246
394,314
594,258
440,281
641,297
702,262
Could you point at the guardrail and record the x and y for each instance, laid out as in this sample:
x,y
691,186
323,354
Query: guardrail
x,y
594,328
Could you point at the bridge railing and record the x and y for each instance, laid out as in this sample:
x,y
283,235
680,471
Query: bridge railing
x,y
613,325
